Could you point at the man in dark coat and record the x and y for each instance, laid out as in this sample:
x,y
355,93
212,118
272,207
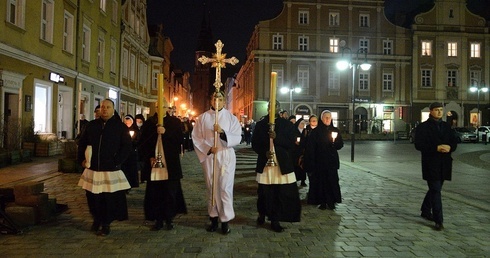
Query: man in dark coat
x,y
103,146
435,140
164,199
278,196
322,161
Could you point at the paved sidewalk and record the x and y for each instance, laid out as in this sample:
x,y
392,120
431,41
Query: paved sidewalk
x,y
378,218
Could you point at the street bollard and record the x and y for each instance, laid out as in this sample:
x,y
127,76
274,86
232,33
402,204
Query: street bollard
x,y
484,138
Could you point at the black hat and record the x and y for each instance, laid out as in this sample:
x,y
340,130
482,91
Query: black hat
x,y
435,105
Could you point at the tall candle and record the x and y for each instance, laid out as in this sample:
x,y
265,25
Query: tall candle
x,y
272,103
160,98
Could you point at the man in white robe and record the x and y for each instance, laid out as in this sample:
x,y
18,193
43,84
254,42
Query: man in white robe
x,y
229,135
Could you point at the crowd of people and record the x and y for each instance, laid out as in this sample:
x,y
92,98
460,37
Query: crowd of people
x,y
114,151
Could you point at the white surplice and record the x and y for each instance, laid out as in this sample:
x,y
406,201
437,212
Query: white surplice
x,y
203,139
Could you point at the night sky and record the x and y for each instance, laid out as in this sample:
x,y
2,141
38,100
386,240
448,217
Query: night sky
x,y
233,21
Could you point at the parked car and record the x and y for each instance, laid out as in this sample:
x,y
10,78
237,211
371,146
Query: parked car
x,y
485,129
465,134
411,135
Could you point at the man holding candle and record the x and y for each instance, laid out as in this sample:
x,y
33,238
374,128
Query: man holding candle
x,y
322,161
228,130
277,193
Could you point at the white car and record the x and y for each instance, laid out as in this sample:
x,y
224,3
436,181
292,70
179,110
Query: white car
x,y
483,130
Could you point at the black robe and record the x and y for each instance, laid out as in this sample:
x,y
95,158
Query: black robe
x,y
322,162
165,199
278,202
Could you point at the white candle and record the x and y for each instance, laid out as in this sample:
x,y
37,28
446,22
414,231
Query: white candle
x,y
298,139
334,135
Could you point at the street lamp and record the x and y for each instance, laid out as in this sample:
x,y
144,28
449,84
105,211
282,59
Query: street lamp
x,y
477,88
343,64
285,90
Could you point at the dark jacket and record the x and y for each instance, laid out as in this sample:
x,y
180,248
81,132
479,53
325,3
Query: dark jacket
x,y
321,153
172,141
435,165
283,143
111,144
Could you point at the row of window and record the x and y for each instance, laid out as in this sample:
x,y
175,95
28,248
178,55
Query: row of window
x,y
451,77
16,16
303,81
333,18
278,44
452,49
303,75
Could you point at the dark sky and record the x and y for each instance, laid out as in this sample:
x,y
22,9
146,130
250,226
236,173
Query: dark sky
x,y
233,21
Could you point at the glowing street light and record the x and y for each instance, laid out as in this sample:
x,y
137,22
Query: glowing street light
x,y
477,88
348,62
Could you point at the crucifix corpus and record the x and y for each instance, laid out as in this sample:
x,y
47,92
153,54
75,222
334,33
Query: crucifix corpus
x,y
218,61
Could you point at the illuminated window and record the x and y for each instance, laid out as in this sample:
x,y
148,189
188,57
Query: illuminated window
x,y
426,48
452,49
475,50
334,45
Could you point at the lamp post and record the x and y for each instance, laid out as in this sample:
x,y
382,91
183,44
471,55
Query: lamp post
x,y
285,90
343,64
477,88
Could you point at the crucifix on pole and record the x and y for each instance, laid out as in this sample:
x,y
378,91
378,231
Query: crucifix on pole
x,y
218,61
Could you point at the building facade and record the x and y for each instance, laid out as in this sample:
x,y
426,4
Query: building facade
x,y
304,43
45,70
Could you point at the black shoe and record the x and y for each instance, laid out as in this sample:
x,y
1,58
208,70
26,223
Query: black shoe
x,y
214,225
95,226
276,227
158,225
427,216
261,219
104,231
322,206
331,206
224,228
439,227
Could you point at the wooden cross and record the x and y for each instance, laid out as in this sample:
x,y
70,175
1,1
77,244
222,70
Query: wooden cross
x,y
218,61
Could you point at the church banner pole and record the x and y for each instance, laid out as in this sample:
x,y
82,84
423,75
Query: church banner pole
x,y
218,61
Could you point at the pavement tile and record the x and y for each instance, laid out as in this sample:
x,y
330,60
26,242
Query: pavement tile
x,y
378,217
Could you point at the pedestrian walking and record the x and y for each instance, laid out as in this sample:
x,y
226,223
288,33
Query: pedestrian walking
x,y
436,141
103,146
219,172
